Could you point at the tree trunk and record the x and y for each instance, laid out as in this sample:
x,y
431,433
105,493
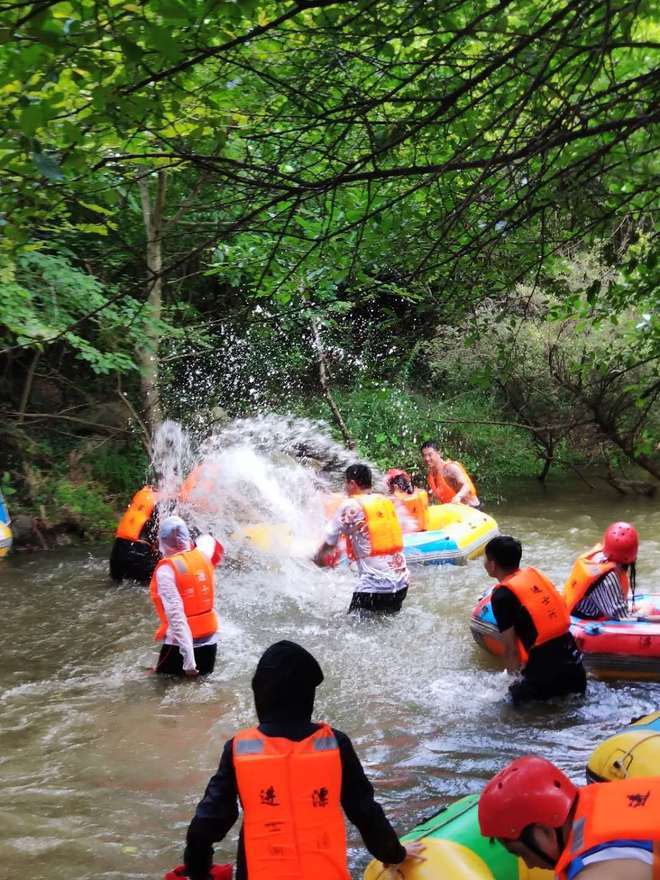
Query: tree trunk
x,y
325,385
547,463
148,355
27,387
625,443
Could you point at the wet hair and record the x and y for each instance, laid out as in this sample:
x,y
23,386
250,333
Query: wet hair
x,y
429,444
359,473
402,483
505,551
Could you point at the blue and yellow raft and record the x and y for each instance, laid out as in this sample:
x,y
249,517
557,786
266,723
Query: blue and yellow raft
x,y
5,529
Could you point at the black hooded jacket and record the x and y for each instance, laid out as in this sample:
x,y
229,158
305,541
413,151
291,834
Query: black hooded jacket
x,y
284,685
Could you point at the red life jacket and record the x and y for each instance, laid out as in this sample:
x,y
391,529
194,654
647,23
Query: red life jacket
x,y
293,826
217,872
194,578
589,568
539,596
611,811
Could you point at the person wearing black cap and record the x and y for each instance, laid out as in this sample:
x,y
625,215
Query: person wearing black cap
x,y
293,778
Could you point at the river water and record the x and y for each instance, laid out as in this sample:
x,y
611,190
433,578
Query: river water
x,y
102,763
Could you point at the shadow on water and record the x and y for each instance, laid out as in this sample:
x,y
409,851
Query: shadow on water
x,y
102,764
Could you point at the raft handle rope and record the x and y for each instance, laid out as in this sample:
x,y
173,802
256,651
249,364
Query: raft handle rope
x,y
619,763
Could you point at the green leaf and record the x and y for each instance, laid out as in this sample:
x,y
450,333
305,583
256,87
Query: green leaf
x,y
131,50
47,166
31,118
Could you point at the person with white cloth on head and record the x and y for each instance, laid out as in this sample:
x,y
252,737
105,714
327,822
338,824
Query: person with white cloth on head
x,y
183,592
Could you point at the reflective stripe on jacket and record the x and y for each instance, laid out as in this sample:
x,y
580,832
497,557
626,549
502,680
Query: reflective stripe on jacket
x,y
612,811
589,568
539,596
194,577
293,826
137,514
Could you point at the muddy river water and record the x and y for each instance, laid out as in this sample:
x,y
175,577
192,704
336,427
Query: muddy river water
x,y
101,763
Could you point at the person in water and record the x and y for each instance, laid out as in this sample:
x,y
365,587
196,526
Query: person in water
x,y
411,504
601,579
448,480
135,551
183,593
603,831
374,540
534,624
293,777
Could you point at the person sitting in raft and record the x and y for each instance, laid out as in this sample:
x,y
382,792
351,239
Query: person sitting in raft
x,y
411,504
183,593
448,480
135,550
284,771
374,540
534,623
603,831
601,579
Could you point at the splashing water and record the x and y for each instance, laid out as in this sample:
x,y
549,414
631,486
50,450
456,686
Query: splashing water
x,y
171,457
269,469
305,439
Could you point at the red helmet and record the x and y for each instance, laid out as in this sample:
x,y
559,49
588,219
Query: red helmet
x,y
529,791
620,542
395,472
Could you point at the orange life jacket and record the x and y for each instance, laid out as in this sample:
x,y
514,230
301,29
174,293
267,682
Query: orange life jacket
x,y
609,811
200,488
416,506
293,827
137,513
194,577
385,534
588,568
545,606
444,490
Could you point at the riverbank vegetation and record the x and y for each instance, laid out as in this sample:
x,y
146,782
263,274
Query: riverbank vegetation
x,y
410,220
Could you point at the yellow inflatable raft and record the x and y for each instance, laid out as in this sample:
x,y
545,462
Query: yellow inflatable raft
x,y
633,752
456,534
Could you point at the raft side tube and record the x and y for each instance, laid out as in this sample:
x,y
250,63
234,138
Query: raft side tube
x,y
612,649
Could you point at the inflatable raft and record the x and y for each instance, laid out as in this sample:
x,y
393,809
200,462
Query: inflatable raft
x,y
455,848
613,649
456,533
5,529
633,752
